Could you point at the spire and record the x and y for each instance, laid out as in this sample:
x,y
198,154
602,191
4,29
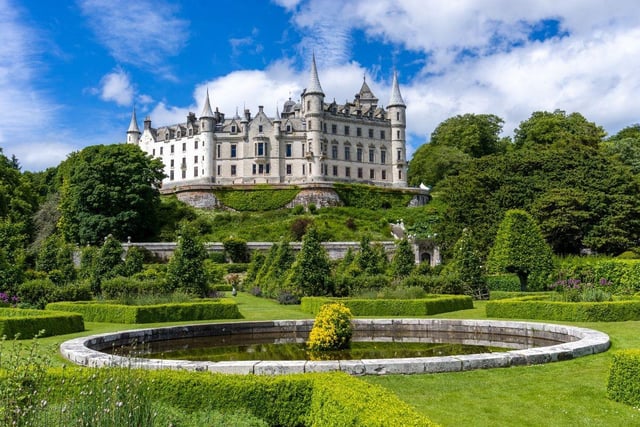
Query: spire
x,y
396,98
314,81
277,119
237,116
206,110
133,126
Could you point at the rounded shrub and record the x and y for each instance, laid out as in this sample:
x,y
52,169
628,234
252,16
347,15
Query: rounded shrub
x,y
332,329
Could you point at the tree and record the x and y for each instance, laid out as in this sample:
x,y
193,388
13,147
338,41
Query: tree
x,y
474,134
520,248
109,189
625,146
544,129
467,264
404,259
368,259
185,271
277,272
107,263
310,274
431,163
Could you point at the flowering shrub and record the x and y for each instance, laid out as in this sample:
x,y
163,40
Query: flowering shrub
x,y
332,328
574,290
7,300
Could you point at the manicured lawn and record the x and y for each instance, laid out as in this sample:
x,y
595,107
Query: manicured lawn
x,y
569,393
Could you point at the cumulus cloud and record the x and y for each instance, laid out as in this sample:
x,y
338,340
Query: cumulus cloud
x,y
142,32
116,86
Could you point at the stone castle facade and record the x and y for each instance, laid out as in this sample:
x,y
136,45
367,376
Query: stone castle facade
x,y
309,142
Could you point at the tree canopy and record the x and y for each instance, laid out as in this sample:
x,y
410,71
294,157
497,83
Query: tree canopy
x,y
544,128
109,189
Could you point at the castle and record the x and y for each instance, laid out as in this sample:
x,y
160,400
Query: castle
x,y
309,142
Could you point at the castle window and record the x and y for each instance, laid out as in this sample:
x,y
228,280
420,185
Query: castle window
x,y
372,155
219,170
372,174
359,154
153,153
370,133
172,163
359,172
308,105
382,135
168,135
303,170
334,129
399,155
191,133
325,170
334,151
384,174
195,159
397,115
172,149
287,150
253,168
218,151
358,131
288,169
324,127
184,162
303,149
233,150
335,171
184,147
399,174
195,144
184,173
288,128
260,149
233,170
195,171
346,130
260,169
383,156
347,152
233,129
347,172
161,150
398,134
171,175
259,128
267,168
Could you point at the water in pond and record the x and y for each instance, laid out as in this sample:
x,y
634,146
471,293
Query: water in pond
x,y
196,350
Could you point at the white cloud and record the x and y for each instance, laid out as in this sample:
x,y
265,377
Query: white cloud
x,y
117,87
141,32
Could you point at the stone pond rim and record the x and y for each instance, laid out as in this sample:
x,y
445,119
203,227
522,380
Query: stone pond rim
x,y
533,343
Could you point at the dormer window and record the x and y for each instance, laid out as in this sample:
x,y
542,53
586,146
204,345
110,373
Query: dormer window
x,y
259,128
233,129
288,128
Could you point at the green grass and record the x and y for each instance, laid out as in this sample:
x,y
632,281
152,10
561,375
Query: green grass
x,y
569,393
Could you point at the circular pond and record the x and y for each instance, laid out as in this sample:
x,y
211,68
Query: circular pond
x,y
531,343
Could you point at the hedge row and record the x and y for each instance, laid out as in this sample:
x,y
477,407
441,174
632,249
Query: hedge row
x,y
503,282
496,295
260,198
393,307
172,312
623,274
371,197
624,377
29,323
327,399
533,308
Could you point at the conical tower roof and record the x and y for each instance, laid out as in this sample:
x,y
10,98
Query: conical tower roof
x,y
206,110
396,98
133,126
314,81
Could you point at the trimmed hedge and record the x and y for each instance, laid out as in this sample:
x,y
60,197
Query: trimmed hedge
x,y
371,197
259,198
29,323
532,307
496,295
432,304
327,399
624,377
503,282
172,312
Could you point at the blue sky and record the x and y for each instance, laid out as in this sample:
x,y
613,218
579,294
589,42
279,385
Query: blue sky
x,y
71,71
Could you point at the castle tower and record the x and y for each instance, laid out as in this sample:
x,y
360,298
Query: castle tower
x,y
313,102
207,127
133,133
396,110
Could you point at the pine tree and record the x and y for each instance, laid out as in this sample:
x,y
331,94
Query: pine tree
x,y
186,267
311,271
404,259
467,263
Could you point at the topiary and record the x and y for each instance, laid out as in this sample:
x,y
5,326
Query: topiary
x,y
332,329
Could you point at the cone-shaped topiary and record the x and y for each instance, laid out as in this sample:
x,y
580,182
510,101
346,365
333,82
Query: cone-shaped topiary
x,y
332,328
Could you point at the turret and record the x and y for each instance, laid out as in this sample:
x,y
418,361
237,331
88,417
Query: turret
x,y
396,112
207,127
133,133
313,101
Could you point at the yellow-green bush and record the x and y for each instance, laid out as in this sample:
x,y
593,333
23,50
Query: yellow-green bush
x,y
431,304
535,307
624,377
173,312
332,328
319,400
29,323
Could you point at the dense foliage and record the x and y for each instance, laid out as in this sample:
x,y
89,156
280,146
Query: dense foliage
x,y
186,267
109,189
261,198
332,328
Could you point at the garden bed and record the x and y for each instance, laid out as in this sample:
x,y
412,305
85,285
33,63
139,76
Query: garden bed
x,y
95,311
540,307
26,324
432,304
